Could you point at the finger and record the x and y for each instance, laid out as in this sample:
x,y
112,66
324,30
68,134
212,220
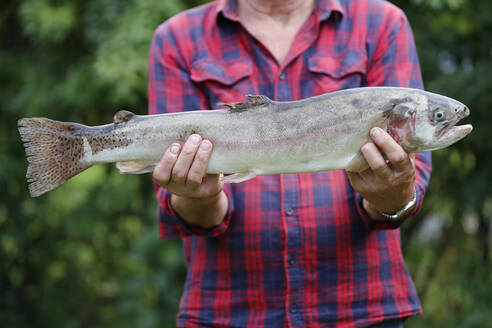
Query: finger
x,y
393,151
185,158
199,165
376,161
355,179
162,171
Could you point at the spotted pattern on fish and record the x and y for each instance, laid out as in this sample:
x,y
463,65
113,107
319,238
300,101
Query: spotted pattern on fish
x,y
104,142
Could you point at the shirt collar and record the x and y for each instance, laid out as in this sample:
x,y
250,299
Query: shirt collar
x,y
324,8
228,8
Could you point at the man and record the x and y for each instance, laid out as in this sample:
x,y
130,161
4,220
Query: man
x,y
291,250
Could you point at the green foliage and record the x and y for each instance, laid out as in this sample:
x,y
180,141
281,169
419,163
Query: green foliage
x,y
88,253
453,273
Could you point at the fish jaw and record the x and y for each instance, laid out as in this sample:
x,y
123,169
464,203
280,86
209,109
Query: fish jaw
x,y
427,137
452,135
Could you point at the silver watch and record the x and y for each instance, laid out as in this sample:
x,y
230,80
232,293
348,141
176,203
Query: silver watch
x,y
405,210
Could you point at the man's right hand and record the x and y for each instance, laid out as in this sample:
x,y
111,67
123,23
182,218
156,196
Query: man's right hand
x,y
197,197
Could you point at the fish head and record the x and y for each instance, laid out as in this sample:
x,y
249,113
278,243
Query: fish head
x,y
426,121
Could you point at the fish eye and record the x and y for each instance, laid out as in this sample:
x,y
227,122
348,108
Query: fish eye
x,y
439,115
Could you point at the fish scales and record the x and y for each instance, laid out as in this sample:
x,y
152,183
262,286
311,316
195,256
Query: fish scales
x,y
250,138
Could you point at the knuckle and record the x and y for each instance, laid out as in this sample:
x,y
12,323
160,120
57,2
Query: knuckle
x,y
188,151
169,158
380,167
386,143
168,161
407,175
361,189
193,181
202,157
178,175
367,147
160,177
410,177
156,175
398,157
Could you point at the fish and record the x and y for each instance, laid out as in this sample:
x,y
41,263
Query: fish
x,y
250,138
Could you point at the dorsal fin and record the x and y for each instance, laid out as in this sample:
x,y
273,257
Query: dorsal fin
x,y
123,116
256,100
236,107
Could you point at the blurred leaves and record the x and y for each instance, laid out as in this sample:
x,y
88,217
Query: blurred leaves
x,y
45,22
88,253
453,272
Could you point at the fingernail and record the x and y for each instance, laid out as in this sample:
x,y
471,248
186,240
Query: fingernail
x,y
195,139
174,149
205,145
375,132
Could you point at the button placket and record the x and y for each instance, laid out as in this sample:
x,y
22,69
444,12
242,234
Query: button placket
x,y
290,186
289,211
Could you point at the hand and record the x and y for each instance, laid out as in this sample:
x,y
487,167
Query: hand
x,y
387,185
182,171
197,196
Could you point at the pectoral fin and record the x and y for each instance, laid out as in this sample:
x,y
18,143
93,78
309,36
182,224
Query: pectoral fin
x,y
134,167
357,164
239,177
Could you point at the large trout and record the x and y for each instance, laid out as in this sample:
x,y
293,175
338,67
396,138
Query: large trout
x,y
253,138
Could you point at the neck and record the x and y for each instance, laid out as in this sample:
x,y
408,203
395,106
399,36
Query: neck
x,y
277,9
275,23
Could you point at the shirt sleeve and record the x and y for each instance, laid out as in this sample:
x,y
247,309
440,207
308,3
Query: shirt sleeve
x,y
172,90
395,63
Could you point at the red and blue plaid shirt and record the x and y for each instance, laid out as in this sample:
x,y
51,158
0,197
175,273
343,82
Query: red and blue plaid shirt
x,y
295,250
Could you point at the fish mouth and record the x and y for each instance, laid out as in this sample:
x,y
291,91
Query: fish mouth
x,y
456,133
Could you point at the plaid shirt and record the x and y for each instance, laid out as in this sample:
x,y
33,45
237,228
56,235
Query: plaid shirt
x,y
295,250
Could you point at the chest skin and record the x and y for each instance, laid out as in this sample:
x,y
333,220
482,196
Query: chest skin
x,y
276,31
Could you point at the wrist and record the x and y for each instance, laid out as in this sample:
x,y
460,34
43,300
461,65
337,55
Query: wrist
x,y
201,201
404,211
400,213
203,212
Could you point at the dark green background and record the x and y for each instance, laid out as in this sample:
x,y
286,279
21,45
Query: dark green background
x,y
88,253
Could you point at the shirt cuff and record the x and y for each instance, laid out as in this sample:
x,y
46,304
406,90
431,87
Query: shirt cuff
x,y
185,229
385,224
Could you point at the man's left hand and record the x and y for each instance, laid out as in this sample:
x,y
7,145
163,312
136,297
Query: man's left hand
x,y
388,184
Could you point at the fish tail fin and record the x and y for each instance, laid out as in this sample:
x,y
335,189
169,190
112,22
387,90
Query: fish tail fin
x,y
53,151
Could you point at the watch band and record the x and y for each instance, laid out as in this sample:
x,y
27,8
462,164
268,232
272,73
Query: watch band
x,y
405,210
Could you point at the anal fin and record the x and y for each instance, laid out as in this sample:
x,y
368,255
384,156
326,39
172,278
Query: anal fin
x,y
239,177
135,167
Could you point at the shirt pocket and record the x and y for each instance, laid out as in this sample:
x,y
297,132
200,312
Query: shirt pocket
x,y
223,81
335,72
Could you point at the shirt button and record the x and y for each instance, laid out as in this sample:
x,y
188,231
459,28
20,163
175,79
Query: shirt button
x,y
293,310
281,77
289,211
291,261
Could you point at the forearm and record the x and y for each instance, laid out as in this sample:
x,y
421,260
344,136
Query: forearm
x,y
201,212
